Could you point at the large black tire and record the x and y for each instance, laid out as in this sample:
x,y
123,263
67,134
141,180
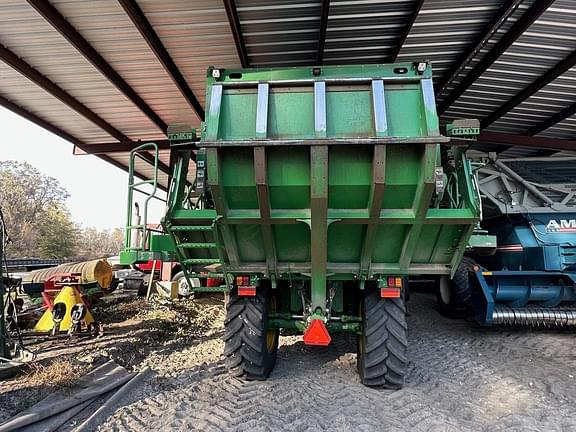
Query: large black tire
x,y
250,348
382,347
454,296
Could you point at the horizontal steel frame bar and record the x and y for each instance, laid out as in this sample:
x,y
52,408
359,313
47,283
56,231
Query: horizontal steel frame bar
x,y
527,141
327,141
310,82
359,216
118,147
342,269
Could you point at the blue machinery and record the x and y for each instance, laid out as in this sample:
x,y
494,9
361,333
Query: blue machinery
x,y
530,206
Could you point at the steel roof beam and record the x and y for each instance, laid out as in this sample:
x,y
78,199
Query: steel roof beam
x,y
324,12
120,147
62,133
556,118
51,14
553,73
38,121
40,80
527,141
140,21
234,20
500,17
517,29
406,31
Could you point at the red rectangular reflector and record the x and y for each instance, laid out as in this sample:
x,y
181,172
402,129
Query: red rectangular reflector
x,y
390,292
391,280
249,291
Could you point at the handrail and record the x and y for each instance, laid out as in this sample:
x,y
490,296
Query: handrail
x,y
132,186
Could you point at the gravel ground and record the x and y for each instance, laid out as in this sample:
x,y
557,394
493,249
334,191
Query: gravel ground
x,y
136,334
461,378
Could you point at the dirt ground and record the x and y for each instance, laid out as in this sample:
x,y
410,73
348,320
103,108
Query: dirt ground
x,y
461,378
137,334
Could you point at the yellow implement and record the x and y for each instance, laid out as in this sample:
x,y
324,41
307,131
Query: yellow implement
x,y
68,310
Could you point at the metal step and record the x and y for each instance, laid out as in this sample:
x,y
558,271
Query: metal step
x,y
191,261
206,275
191,228
221,288
196,245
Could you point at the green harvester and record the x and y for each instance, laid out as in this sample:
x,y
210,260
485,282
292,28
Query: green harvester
x,y
317,192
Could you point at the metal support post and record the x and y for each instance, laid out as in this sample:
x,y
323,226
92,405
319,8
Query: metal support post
x,y
319,224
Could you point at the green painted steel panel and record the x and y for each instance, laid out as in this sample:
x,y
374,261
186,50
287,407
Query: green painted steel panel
x,y
289,177
407,103
320,204
348,116
292,242
238,178
296,123
403,166
249,240
388,244
234,103
345,234
350,176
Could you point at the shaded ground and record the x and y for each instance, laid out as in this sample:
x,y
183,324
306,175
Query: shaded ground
x,y
461,378
136,334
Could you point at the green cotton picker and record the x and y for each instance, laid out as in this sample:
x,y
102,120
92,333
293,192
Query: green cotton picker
x,y
316,192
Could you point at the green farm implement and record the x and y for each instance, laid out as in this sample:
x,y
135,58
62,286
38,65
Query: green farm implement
x,y
316,193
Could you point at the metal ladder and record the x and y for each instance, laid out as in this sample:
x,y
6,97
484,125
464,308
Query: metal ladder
x,y
137,234
192,265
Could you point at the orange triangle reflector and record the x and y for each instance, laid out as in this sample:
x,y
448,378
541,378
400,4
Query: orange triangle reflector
x,y
317,334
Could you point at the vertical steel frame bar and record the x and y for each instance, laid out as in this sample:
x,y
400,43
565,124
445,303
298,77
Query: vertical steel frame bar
x,y
422,199
374,209
214,180
213,120
260,173
319,224
426,186
432,125
320,109
379,107
262,111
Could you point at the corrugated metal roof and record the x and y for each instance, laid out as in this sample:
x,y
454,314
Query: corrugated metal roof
x,y
545,43
445,31
280,32
35,41
120,43
197,34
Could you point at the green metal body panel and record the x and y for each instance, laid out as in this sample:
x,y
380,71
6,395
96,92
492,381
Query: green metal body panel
x,y
324,175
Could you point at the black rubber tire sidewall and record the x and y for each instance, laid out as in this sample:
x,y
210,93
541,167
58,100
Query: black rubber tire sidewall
x,y
460,303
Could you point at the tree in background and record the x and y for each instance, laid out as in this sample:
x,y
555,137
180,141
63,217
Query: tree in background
x,y
100,243
57,234
38,222
30,199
